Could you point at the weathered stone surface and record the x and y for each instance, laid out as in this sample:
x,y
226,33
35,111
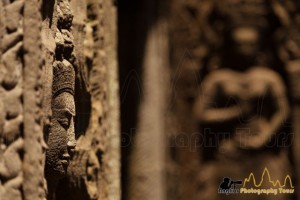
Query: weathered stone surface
x,y
13,16
34,145
11,90
232,93
209,90
45,102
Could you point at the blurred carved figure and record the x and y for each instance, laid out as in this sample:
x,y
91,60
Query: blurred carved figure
x,y
255,101
242,108
244,114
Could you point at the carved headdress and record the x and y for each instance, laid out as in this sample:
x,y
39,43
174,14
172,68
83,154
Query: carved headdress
x,y
63,78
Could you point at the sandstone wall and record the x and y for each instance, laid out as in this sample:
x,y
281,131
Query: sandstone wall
x,y
34,36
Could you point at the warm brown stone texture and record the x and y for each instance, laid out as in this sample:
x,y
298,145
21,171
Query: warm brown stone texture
x,y
232,69
12,93
59,89
33,168
209,92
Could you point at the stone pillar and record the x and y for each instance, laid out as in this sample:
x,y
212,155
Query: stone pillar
x,y
147,162
34,145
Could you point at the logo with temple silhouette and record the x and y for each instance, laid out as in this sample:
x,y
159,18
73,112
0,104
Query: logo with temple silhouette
x,y
265,184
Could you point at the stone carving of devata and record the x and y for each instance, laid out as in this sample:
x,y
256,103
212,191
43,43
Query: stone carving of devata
x,y
61,139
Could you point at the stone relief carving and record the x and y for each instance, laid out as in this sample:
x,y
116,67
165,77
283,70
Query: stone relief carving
x,y
11,119
61,137
84,171
68,168
240,98
54,98
244,98
236,80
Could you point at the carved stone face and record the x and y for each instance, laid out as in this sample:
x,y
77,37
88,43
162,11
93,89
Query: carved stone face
x,y
246,40
61,139
61,136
